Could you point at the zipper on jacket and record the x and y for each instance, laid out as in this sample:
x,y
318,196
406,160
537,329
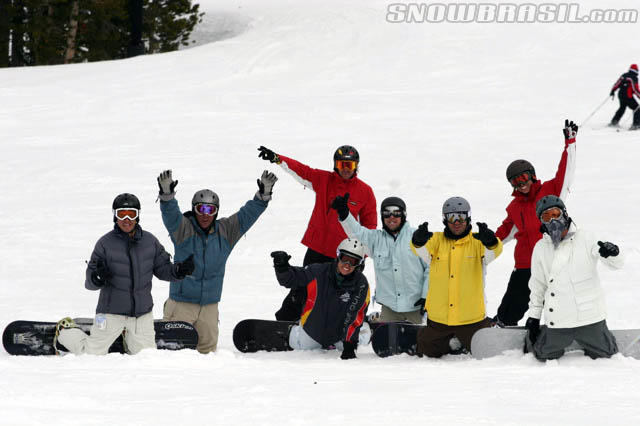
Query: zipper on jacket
x,y
133,280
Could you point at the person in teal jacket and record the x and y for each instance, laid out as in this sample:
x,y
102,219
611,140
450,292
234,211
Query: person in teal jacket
x,y
402,278
200,233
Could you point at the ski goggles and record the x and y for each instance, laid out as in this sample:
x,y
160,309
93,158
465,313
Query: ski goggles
x,y
395,212
521,179
206,209
352,261
126,213
456,217
346,165
550,214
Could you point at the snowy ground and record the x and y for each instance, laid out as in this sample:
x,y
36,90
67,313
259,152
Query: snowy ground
x,y
435,110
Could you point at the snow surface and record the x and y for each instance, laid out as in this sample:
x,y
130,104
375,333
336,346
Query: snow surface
x,y
435,110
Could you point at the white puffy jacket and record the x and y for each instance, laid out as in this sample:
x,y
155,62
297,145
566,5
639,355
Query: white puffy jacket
x,y
564,281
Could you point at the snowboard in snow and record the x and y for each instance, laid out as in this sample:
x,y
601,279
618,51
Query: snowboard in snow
x,y
252,335
36,338
489,342
393,338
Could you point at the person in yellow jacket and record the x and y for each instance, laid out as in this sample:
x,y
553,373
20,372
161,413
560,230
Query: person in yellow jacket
x,y
455,301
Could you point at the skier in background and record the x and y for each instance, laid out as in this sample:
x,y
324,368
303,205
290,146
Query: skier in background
x,y
402,278
324,233
523,224
122,265
565,284
200,234
628,87
338,297
457,260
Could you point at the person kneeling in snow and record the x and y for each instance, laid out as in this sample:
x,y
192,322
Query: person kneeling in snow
x,y
564,283
337,299
122,265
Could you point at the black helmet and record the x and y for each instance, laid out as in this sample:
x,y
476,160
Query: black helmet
x,y
548,202
390,202
517,167
346,153
126,200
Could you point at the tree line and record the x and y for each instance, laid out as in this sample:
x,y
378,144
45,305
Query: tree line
x,y
50,32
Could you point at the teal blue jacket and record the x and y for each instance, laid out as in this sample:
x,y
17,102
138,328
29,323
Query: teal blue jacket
x,y
210,251
402,278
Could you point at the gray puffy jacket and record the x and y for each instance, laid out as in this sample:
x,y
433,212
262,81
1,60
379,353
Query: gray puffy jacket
x,y
132,262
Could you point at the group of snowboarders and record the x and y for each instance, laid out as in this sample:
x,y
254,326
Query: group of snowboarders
x,y
418,272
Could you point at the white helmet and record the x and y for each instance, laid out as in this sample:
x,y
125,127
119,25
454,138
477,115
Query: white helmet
x,y
351,247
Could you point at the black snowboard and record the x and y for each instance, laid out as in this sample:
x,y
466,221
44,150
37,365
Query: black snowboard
x,y
252,335
393,338
36,338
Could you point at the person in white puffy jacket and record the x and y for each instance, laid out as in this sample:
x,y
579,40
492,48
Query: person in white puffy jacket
x,y
565,285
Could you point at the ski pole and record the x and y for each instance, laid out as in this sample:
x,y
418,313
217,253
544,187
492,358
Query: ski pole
x,y
594,111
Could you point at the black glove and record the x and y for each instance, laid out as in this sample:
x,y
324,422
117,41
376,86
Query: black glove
x,y
339,204
608,249
167,184
533,327
268,155
348,350
485,235
421,235
570,131
421,303
101,274
184,268
281,260
612,94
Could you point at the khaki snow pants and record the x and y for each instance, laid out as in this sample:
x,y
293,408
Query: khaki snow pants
x,y
203,317
389,315
139,334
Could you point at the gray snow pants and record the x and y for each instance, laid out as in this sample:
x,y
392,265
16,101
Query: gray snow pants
x,y
139,334
596,340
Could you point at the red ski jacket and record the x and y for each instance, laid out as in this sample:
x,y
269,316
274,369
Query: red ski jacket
x,y
324,231
628,81
521,221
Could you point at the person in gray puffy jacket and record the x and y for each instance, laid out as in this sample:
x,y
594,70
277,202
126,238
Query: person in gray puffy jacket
x,y
200,234
122,266
565,287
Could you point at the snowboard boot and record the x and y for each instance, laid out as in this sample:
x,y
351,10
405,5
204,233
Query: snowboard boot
x,y
64,323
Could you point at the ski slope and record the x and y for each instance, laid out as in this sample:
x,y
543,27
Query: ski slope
x,y
436,110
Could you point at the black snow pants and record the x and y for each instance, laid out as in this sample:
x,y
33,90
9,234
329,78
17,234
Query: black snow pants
x,y
515,301
625,103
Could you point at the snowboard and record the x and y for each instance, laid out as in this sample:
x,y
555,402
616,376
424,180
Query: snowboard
x,y
393,338
489,342
252,335
36,338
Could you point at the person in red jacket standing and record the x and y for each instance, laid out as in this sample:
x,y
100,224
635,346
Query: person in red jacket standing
x,y
324,232
523,224
628,85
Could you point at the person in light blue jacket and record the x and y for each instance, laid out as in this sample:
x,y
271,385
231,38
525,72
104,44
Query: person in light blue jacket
x,y
199,233
402,278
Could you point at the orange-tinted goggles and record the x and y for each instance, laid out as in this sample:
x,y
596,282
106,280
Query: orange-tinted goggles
x,y
346,165
550,214
351,261
128,213
521,179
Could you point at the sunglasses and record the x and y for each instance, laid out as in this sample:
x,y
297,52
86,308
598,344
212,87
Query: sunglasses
x,y
456,217
395,213
521,179
126,213
346,165
206,209
550,214
352,261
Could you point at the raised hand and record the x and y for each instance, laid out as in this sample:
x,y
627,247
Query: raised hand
x,y
421,235
485,235
340,205
265,185
570,131
268,155
167,185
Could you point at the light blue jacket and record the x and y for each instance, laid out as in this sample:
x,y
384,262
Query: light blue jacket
x,y
402,278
